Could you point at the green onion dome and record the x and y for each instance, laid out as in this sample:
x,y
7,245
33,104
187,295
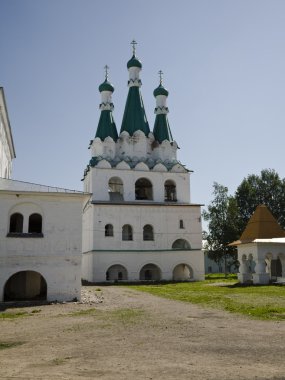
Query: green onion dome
x,y
160,90
106,86
134,62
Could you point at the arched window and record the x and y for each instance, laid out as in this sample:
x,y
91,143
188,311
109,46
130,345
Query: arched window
x,y
109,231
148,232
170,191
127,232
143,189
116,189
181,244
16,223
35,224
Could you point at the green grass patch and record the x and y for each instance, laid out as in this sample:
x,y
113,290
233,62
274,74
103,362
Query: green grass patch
x,y
261,302
5,345
221,276
13,315
122,315
86,312
126,315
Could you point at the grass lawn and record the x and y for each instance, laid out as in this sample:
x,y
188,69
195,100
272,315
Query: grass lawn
x,y
260,302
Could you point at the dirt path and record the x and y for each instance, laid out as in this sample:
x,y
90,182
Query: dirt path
x,y
133,335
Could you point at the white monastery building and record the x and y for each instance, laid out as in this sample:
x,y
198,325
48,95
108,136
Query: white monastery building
x,y
7,150
40,233
139,224
133,222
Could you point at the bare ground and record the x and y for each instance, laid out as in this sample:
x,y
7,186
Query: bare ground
x,y
124,334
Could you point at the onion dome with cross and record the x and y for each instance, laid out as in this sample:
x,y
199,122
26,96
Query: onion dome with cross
x,y
106,126
161,130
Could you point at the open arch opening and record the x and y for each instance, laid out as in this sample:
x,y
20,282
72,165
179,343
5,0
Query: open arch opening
x,y
182,272
16,223
143,189
150,272
148,232
170,191
181,244
25,286
117,273
276,268
116,189
35,224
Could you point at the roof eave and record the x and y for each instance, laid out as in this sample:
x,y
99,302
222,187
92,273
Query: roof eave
x,y
9,135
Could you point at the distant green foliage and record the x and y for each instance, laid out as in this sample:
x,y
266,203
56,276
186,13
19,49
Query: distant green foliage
x,y
260,302
223,226
267,188
227,215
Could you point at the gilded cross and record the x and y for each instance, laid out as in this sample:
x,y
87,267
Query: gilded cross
x,y
106,67
160,73
134,43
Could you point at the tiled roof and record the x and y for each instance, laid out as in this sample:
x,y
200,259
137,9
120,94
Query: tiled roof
x,y
261,225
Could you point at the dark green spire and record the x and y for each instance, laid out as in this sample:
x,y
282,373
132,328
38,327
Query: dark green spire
x,y
161,130
106,126
134,118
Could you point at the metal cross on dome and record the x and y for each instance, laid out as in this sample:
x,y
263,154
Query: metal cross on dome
x,y
106,67
160,73
134,43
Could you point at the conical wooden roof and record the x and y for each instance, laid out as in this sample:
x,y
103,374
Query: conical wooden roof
x,y
261,225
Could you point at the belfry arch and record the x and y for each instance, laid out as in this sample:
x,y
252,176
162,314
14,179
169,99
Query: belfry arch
x,y
143,189
116,189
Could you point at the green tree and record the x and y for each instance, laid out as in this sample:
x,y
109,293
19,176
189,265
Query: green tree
x,y
223,226
267,188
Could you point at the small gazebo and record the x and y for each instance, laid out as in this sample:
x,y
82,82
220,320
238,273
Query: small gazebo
x,y
261,249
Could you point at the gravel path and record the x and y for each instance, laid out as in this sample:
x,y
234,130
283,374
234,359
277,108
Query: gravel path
x,y
120,333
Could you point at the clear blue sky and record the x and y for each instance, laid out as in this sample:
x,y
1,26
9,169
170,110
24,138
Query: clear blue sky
x,y
223,64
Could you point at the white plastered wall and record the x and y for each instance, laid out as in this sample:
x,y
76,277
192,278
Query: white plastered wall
x,y
98,179
57,255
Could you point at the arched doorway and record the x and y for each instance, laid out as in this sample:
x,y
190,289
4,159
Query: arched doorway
x,y
150,272
117,273
182,272
25,286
